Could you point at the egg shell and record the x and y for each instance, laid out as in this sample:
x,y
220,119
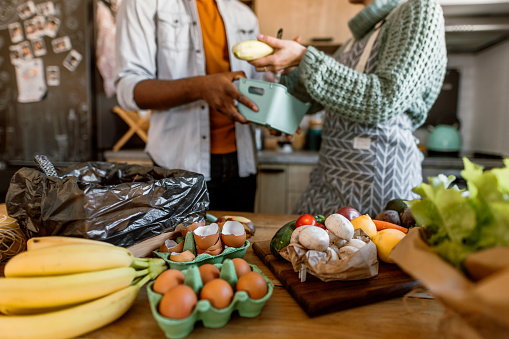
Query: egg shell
x,y
204,258
192,227
206,236
204,313
168,279
172,246
185,256
233,234
208,272
178,303
215,249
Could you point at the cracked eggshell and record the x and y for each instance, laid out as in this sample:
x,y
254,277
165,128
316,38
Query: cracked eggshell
x,y
191,227
171,246
314,238
206,236
340,226
215,249
185,256
233,234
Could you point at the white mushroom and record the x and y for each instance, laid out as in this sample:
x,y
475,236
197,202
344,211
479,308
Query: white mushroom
x,y
357,243
340,226
340,242
295,234
314,238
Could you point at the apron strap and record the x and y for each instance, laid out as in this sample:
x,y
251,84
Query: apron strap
x,y
363,60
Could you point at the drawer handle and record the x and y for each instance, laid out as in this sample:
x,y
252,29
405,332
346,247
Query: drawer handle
x,y
272,170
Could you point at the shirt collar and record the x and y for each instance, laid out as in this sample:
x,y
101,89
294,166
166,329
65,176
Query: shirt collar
x,y
373,13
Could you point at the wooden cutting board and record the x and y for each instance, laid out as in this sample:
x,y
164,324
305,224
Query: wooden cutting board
x,y
317,297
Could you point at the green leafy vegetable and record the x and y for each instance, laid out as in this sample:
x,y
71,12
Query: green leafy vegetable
x,y
460,222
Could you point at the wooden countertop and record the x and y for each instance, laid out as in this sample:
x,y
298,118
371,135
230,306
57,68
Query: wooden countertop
x,y
282,317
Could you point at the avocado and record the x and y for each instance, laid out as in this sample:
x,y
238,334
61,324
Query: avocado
x,y
391,216
397,205
407,218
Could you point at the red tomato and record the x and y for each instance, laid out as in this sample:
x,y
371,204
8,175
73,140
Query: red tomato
x,y
321,226
305,219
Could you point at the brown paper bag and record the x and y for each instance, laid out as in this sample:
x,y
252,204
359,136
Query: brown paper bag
x,y
326,266
474,309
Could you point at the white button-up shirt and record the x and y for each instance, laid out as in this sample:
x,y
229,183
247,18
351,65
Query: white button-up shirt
x,y
161,39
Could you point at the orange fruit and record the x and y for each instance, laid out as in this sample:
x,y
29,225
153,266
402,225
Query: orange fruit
x,y
367,225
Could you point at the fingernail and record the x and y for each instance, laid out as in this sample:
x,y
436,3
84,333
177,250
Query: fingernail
x,y
260,36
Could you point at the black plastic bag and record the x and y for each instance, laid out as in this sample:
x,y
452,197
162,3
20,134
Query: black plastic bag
x,y
114,202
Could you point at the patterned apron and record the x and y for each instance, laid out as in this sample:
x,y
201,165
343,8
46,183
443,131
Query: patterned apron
x,y
362,165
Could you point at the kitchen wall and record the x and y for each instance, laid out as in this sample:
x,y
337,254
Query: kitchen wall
x,y
483,107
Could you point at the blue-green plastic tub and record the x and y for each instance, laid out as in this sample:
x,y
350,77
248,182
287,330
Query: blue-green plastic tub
x,y
277,109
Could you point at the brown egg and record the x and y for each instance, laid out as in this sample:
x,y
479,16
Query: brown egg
x,y
233,234
218,292
167,280
178,303
208,272
241,267
185,256
206,236
192,227
171,246
254,284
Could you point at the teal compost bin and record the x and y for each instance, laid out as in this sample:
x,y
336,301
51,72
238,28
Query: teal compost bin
x,y
277,109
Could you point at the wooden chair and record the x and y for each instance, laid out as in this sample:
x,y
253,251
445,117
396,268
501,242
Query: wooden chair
x,y
137,124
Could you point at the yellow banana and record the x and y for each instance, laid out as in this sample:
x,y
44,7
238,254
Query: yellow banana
x,y
251,50
67,259
70,322
52,291
54,240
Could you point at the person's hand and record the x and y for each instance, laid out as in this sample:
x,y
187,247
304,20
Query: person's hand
x,y
220,93
288,53
287,136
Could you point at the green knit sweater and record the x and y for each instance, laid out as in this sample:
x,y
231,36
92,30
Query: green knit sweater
x,y
411,66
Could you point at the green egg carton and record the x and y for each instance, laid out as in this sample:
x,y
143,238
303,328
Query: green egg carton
x,y
204,258
277,109
210,316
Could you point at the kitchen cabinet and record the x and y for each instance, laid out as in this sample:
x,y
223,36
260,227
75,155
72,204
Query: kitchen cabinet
x,y
280,186
317,22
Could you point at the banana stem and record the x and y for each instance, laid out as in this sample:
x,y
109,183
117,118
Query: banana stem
x,y
143,281
142,272
137,263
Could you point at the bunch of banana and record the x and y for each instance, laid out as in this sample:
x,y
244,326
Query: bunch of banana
x,y
63,287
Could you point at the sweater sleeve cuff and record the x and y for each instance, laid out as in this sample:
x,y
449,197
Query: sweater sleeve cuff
x,y
308,61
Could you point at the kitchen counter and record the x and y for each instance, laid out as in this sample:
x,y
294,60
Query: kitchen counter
x,y
311,158
282,317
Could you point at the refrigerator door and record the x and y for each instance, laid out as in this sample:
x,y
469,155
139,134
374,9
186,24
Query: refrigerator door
x,y
45,82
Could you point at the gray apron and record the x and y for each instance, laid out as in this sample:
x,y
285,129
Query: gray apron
x,y
362,165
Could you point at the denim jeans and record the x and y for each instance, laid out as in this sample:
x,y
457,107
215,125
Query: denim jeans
x,y
228,191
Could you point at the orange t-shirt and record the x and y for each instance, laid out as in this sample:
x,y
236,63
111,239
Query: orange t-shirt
x,y
222,129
